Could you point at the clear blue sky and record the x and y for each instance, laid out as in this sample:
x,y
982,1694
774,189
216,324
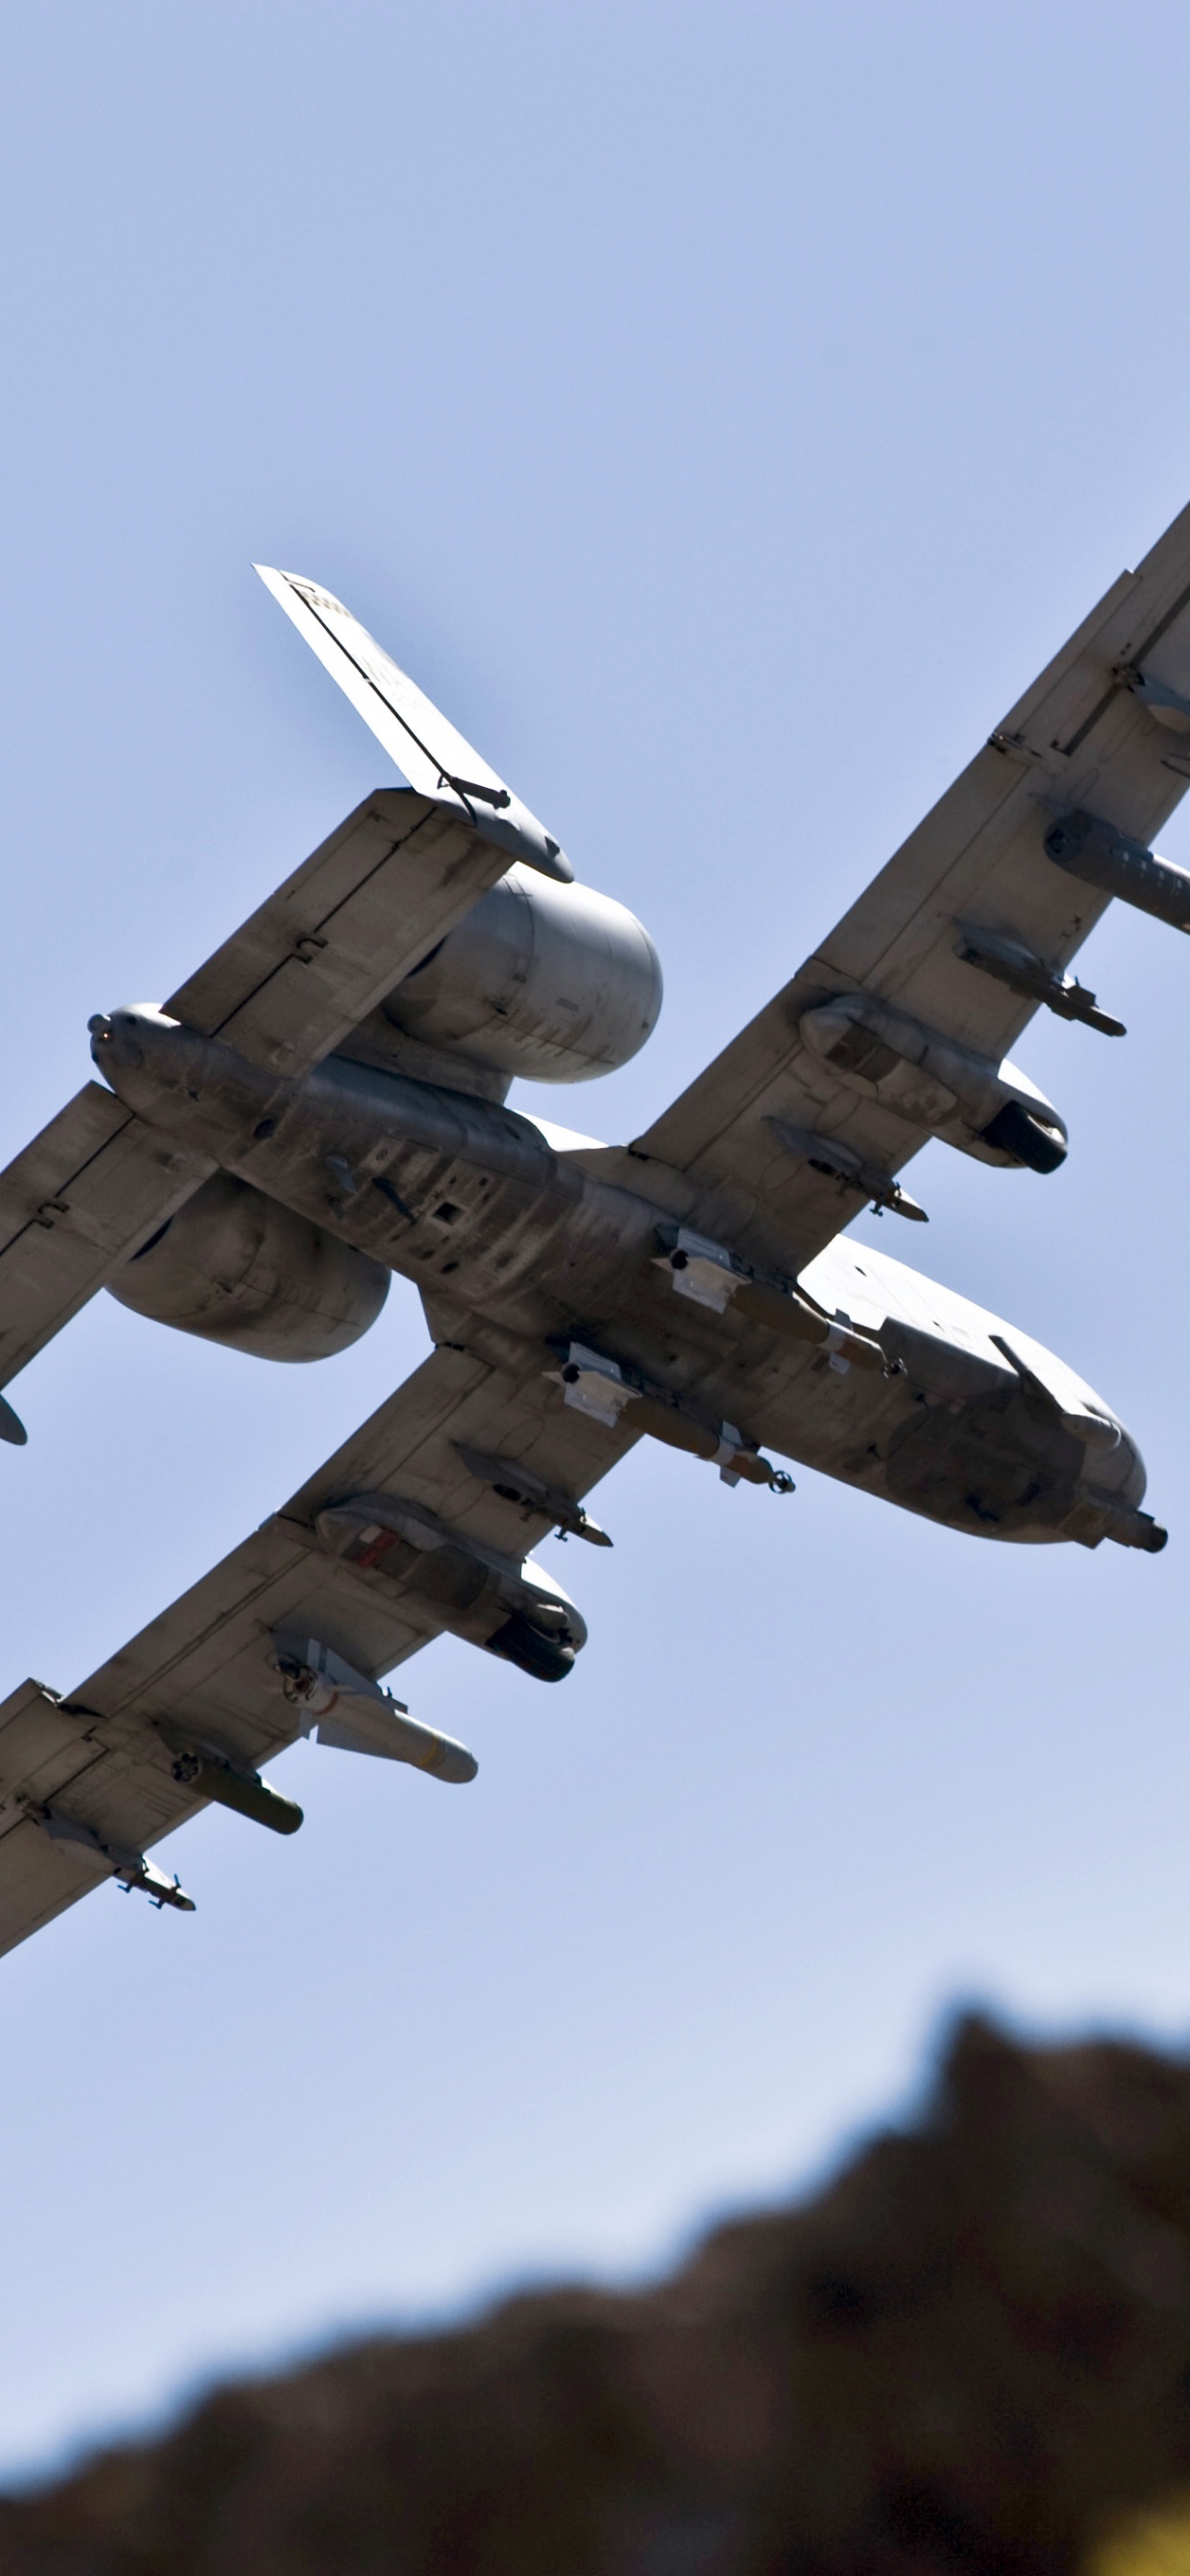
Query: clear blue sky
x,y
724,412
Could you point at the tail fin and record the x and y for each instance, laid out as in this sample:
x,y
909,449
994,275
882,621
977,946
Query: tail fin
x,y
426,748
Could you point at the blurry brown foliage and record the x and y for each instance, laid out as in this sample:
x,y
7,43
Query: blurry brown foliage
x,y
970,2352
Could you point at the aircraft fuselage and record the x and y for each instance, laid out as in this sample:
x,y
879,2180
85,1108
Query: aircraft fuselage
x,y
511,1242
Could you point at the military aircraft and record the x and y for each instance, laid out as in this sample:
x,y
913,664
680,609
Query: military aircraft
x,y
325,1102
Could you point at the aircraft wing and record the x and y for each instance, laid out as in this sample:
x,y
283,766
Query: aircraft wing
x,y
350,923
1105,730
74,1207
312,962
87,1782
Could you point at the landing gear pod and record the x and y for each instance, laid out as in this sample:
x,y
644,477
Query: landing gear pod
x,y
989,1110
510,1607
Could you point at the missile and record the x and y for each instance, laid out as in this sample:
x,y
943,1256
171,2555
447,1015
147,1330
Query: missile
x,y
605,1390
783,1312
207,1767
723,1446
1011,963
839,1162
711,1276
338,1706
516,1483
129,1867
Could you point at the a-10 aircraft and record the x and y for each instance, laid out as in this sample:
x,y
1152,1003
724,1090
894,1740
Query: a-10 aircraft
x,y
323,1103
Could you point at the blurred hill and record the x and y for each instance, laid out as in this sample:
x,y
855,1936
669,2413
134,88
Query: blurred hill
x,y
971,2351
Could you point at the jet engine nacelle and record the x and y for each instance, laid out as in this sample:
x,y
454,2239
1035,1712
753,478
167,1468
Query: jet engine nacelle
x,y
554,982
234,1266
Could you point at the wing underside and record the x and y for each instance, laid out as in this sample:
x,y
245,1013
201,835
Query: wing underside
x,y
1104,730
74,1207
94,1758
87,1780
287,988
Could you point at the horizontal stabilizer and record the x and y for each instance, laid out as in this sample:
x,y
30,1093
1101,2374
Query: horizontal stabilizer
x,y
427,749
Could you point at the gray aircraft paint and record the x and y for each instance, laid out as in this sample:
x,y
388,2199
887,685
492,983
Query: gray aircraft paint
x,y
323,1104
